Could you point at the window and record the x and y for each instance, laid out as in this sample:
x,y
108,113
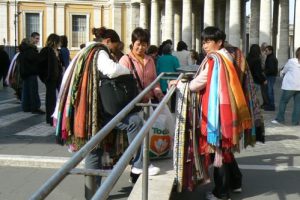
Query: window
x,y
79,30
33,23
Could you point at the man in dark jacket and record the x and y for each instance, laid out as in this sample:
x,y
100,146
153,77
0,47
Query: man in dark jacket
x,y
4,64
271,70
29,70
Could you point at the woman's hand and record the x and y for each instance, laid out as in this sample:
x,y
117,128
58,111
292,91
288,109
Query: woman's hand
x,y
173,82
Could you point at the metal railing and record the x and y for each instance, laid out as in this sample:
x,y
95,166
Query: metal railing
x,y
108,184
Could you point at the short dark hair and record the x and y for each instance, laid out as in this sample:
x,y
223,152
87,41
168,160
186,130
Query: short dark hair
x,y
181,45
34,34
104,33
140,34
152,49
63,41
167,49
270,48
213,33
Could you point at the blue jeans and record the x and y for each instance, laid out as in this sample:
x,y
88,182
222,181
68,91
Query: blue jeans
x,y
30,94
286,95
271,81
132,123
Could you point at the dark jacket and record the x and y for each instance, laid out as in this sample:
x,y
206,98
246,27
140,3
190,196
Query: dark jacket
x,y
271,65
50,68
28,58
4,63
256,70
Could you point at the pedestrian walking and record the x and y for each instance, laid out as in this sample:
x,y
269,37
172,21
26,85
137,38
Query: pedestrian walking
x,y
290,89
64,52
50,67
254,61
4,64
271,70
183,55
28,58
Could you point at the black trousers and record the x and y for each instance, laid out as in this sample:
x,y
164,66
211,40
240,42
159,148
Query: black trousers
x,y
50,101
227,177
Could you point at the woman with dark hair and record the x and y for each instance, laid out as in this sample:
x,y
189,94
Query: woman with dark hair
x,y
143,63
50,73
64,51
183,55
254,59
146,74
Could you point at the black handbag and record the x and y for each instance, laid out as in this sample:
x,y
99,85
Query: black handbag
x,y
116,93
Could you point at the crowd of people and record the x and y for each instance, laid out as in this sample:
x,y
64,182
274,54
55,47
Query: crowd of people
x,y
53,66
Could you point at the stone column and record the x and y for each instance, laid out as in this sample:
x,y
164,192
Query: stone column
x,y
297,25
3,20
169,20
234,23
254,22
221,14
177,26
97,15
116,18
283,33
154,22
60,19
144,15
265,22
50,27
209,13
227,12
106,19
187,22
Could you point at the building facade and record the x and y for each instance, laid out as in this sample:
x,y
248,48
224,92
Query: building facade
x,y
166,19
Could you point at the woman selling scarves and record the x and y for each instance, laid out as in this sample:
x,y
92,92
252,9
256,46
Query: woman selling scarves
x,y
226,114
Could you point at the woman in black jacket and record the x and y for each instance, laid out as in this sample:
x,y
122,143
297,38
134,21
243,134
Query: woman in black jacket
x,y
51,73
254,61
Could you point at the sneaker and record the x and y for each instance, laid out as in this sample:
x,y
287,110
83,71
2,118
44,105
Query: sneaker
x,y
152,170
237,190
275,122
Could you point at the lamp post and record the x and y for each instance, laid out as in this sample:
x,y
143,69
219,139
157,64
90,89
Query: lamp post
x,y
15,23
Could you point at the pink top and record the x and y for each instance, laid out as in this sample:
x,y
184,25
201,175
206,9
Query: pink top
x,y
147,74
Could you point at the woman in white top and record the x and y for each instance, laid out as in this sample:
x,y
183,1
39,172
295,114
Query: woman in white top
x,y
183,55
290,88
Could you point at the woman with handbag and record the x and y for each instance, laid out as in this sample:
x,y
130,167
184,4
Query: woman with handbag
x,y
143,64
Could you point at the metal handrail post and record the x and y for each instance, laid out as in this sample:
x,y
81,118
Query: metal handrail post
x,y
105,188
145,159
59,175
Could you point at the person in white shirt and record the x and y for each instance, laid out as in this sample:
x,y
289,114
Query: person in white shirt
x,y
290,89
183,55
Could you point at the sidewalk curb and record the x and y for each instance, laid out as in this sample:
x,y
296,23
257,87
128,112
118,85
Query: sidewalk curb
x,y
35,161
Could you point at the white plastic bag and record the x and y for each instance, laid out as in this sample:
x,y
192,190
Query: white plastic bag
x,y
161,135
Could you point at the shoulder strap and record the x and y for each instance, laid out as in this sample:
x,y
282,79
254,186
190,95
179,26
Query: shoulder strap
x,y
135,72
